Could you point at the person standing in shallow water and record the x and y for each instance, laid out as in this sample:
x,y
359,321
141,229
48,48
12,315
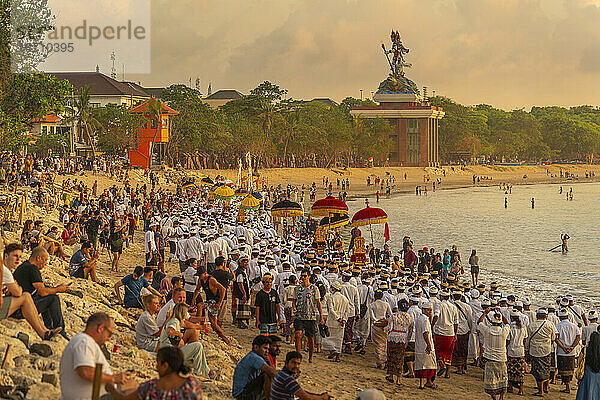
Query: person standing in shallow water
x,y
564,239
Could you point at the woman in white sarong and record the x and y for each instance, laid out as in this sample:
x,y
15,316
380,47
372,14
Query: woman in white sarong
x,y
338,308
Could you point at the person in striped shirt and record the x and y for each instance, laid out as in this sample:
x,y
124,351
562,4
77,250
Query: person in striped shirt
x,y
285,386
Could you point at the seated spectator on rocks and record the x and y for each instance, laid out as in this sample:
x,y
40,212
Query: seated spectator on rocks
x,y
168,284
286,387
253,376
15,299
82,264
80,356
274,349
192,349
167,309
174,380
149,276
146,329
133,284
45,298
53,244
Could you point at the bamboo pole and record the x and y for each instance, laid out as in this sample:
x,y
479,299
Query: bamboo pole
x,y
97,382
5,356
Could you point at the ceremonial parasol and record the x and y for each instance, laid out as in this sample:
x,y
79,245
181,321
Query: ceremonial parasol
x,y
328,205
286,208
334,221
189,186
207,181
250,203
371,216
224,193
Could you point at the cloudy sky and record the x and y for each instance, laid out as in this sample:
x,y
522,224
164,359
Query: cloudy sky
x,y
508,53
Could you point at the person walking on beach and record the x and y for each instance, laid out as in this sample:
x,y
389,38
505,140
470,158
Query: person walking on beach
x,y
445,326
494,339
541,334
306,303
567,341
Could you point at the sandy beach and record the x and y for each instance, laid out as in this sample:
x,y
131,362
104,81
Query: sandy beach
x,y
342,380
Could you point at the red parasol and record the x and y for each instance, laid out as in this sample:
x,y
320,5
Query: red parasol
x,y
371,216
328,205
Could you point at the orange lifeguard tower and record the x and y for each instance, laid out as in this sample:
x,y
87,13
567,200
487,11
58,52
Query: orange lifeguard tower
x,y
151,139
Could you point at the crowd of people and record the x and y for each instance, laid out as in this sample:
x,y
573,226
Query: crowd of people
x,y
415,312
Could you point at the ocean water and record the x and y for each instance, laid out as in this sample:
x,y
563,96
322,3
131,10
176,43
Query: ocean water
x,y
513,242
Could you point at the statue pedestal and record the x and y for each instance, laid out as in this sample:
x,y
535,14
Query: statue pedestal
x,y
415,137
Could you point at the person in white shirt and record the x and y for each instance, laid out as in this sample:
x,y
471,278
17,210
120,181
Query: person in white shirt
x,y
445,325
351,293
515,351
379,312
494,338
150,245
567,341
465,325
425,360
213,250
592,327
80,356
194,247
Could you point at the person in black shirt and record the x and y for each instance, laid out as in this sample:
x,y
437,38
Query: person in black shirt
x,y
224,277
92,226
45,298
267,308
215,292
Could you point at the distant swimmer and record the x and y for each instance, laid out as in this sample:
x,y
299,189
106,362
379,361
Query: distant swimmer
x,y
560,191
564,239
505,202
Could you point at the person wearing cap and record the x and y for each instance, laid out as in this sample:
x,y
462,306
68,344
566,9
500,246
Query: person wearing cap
x,y
527,309
379,311
338,311
351,293
592,327
541,333
463,333
445,326
567,341
515,352
494,338
425,359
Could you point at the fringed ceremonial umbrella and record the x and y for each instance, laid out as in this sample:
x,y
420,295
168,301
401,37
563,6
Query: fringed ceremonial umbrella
x,y
371,216
224,193
250,203
207,181
334,221
327,206
286,208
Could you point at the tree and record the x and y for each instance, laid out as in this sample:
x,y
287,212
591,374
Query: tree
x,y
116,131
269,91
83,117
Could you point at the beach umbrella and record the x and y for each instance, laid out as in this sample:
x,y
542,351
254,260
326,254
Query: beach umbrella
x,y
189,186
241,192
328,205
207,181
250,203
224,193
286,208
371,216
334,221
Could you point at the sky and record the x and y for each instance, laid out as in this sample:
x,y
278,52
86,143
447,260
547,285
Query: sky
x,y
507,53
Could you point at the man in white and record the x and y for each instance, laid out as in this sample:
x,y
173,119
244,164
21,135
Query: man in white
x,y
425,360
339,309
567,341
351,293
465,325
195,247
445,326
150,243
80,356
592,327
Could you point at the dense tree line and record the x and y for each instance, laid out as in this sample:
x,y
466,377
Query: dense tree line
x,y
554,133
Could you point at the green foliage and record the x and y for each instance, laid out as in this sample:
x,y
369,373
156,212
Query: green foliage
x,y
544,132
269,91
116,129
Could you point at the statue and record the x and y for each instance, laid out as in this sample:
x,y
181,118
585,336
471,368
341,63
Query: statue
x,y
396,82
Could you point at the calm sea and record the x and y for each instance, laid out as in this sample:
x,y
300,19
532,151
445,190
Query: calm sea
x,y
513,242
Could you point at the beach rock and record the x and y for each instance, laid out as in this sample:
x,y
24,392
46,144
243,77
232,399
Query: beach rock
x,y
5,381
43,391
23,337
25,376
42,349
50,378
17,348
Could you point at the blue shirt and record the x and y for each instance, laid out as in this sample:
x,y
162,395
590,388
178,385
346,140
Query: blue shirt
x,y
77,260
133,287
245,371
284,386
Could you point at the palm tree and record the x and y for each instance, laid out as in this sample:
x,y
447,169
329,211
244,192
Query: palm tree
x,y
81,114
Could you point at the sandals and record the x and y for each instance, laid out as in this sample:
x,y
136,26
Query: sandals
x,y
51,333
